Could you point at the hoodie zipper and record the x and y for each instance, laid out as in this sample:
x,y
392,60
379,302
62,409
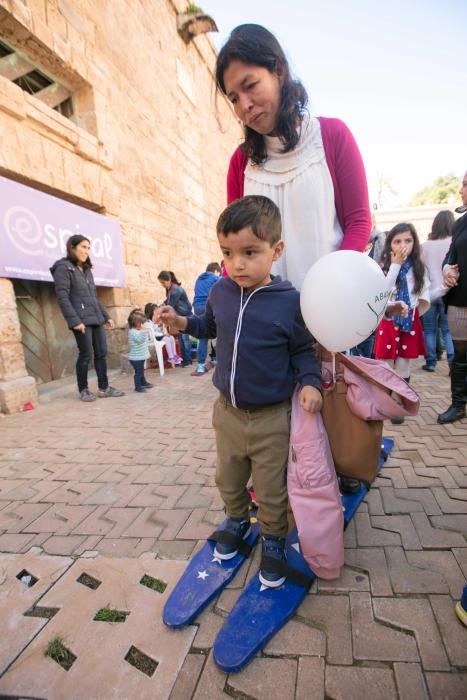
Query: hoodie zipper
x,y
238,330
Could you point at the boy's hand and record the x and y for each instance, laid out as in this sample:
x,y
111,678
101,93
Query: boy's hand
x,y
397,308
311,399
167,315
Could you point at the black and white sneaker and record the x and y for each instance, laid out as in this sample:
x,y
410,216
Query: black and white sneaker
x,y
272,560
236,528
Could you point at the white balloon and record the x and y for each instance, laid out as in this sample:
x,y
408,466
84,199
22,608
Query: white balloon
x,y
343,299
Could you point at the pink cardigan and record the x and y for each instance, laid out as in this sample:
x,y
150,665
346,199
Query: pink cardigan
x,y
348,178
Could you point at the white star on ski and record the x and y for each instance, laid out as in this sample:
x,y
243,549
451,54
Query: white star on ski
x,y
203,575
263,588
215,558
296,546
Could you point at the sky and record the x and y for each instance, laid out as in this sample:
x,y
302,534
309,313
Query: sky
x,y
395,72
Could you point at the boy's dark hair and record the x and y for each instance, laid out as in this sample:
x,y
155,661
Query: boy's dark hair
x,y
135,317
71,243
253,44
256,212
442,225
416,255
213,267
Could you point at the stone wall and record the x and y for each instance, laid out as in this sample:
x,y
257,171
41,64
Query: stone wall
x,y
149,143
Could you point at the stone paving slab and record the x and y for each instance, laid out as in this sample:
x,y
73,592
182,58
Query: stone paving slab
x,y
132,487
100,669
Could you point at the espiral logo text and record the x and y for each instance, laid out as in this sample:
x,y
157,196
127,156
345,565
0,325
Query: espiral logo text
x,y
24,230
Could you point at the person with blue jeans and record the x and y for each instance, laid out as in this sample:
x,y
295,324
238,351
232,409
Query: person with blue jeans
x,y
434,251
202,288
138,348
177,298
436,317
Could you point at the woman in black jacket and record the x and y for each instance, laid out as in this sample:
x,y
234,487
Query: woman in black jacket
x,y
85,315
455,277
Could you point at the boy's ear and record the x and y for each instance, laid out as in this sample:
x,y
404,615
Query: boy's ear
x,y
278,250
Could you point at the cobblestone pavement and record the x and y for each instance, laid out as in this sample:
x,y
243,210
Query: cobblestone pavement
x,y
92,492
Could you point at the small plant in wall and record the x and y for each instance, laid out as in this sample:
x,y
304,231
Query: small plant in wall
x,y
192,9
194,21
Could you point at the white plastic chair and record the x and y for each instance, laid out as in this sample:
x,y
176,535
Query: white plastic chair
x,y
158,347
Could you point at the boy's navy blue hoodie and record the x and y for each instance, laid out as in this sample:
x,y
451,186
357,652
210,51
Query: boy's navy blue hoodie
x,y
203,286
263,347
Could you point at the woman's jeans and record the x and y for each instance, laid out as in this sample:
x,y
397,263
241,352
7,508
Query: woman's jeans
x,y
138,366
435,316
202,342
92,339
185,347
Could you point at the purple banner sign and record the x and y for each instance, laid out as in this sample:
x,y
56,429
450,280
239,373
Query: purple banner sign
x,y
34,229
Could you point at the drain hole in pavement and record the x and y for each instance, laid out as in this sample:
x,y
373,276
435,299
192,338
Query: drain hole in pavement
x,y
154,583
28,579
59,653
143,663
110,615
37,611
89,581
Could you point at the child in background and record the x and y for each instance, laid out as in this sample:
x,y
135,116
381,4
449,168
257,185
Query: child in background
x,y
150,311
202,288
138,348
177,298
400,339
263,351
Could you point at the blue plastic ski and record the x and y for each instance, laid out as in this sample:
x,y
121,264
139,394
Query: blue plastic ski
x,y
260,612
204,577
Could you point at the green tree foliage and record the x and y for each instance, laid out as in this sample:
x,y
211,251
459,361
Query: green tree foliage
x,y
440,192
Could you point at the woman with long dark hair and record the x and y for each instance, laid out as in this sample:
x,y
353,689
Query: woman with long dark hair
x,y
310,167
435,320
177,297
455,277
85,315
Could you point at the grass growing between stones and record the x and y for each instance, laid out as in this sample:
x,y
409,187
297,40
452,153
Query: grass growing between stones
x,y
110,615
59,653
154,583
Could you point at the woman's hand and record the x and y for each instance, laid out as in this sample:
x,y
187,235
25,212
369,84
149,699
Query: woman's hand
x,y
311,399
81,328
399,257
450,275
110,325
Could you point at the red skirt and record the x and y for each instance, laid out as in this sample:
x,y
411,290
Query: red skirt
x,y
391,342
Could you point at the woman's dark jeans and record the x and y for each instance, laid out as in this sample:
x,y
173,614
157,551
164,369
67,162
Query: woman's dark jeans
x,y
185,347
92,339
138,366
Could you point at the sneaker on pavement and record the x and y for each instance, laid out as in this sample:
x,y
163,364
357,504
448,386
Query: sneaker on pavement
x,y
148,385
461,607
273,548
236,527
110,391
87,396
201,368
141,390
428,368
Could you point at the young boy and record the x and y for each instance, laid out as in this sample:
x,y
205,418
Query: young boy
x,y
263,351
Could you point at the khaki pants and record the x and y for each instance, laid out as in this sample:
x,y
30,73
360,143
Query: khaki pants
x,y
253,443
